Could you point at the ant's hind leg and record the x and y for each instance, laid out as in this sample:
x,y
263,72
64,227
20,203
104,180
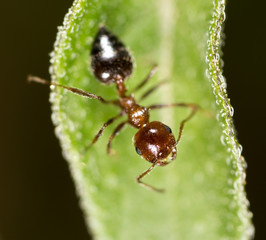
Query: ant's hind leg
x,y
71,89
100,132
192,106
152,89
147,78
115,132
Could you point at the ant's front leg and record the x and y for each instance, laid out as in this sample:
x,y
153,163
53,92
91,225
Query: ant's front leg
x,y
145,184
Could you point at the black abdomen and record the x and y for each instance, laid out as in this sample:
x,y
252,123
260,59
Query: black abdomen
x,y
110,60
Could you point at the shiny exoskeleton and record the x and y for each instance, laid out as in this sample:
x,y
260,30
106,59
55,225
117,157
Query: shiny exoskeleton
x,y
112,63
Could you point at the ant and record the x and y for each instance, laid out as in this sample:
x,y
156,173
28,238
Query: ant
x,y
112,63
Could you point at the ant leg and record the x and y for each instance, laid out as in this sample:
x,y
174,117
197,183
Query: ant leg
x,y
115,132
71,89
147,78
193,107
100,132
151,90
145,184
159,163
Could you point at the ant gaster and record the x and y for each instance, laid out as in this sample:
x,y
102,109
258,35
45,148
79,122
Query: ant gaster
x,y
112,63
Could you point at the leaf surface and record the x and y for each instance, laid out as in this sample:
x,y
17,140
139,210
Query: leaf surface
x,y
204,196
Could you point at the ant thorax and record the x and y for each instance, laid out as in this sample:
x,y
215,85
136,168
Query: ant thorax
x,y
138,116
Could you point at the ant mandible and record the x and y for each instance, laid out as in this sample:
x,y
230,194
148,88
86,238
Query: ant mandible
x,y
112,63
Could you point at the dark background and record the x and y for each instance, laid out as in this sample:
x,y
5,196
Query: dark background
x,y
37,196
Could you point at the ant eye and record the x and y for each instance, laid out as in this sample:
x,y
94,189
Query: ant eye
x,y
168,129
138,151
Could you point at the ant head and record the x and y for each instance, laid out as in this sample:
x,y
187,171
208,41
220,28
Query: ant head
x,y
154,141
110,60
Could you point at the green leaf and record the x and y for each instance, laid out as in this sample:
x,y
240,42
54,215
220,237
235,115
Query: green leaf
x,y
205,197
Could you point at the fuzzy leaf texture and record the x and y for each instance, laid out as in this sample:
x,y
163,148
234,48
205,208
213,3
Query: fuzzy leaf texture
x,y
204,187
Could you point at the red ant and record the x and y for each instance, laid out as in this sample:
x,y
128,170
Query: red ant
x,y
111,63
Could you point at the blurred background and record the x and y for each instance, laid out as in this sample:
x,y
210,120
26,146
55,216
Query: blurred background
x,y
37,196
